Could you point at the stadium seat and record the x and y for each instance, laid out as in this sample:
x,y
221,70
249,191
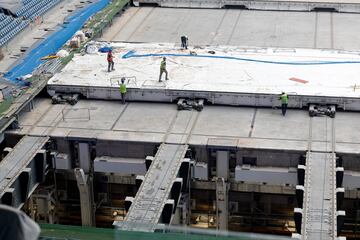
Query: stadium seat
x,y
10,26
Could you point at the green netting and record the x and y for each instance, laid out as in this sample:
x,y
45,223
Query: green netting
x,y
57,232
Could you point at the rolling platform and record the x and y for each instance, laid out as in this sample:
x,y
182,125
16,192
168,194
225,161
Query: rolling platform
x,y
147,209
219,75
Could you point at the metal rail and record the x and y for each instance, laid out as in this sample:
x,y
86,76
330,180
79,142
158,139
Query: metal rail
x,y
146,209
319,208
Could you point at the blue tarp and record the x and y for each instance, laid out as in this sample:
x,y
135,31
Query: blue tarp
x,y
55,41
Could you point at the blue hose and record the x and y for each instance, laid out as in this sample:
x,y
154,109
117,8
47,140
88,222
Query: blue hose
x,y
132,54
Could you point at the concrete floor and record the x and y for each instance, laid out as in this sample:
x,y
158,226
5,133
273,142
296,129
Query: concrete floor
x,y
321,30
215,125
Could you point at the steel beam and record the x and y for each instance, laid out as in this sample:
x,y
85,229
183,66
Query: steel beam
x,y
22,170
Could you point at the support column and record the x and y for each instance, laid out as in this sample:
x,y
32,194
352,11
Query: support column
x,y
222,164
84,156
221,204
85,186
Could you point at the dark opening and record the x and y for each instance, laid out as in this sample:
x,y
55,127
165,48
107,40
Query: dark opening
x,y
148,4
249,160
324,9
229,6
7,12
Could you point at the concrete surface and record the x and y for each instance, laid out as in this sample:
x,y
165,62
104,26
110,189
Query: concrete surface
x,y
237,27
155,122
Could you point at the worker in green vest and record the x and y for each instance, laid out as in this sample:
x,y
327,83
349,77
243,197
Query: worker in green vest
x,y
163,69
123,90
284,98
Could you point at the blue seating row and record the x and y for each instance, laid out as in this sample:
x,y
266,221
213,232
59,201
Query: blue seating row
x,y
26,7
33,8
9,35
10,26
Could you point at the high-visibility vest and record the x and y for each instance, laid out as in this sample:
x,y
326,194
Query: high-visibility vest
x,y
163,65
122,88
284,98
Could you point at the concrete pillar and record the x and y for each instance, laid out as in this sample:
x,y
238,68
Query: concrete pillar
x,y
40,163
128,202
339,176
138,181
24,179
168,211
340,217
8,197
298,219
184,172
340,193
84,156
175,191
302,160
222,204
148,161
222,164
339,161
300,195
85,186
301,174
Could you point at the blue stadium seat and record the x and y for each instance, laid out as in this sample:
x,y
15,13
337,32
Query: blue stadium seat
x,y
10,26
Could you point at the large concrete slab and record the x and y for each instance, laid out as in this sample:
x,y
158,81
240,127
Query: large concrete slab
x,y
146,117
263,128
219,70
269,123
224,121
321,30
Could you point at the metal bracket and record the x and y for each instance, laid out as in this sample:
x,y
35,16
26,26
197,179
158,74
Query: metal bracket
x,y
317,110
72,99
188,104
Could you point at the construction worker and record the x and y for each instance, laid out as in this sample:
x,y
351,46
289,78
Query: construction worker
x,y
163,69
123,90
284,98
184,41
110,59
